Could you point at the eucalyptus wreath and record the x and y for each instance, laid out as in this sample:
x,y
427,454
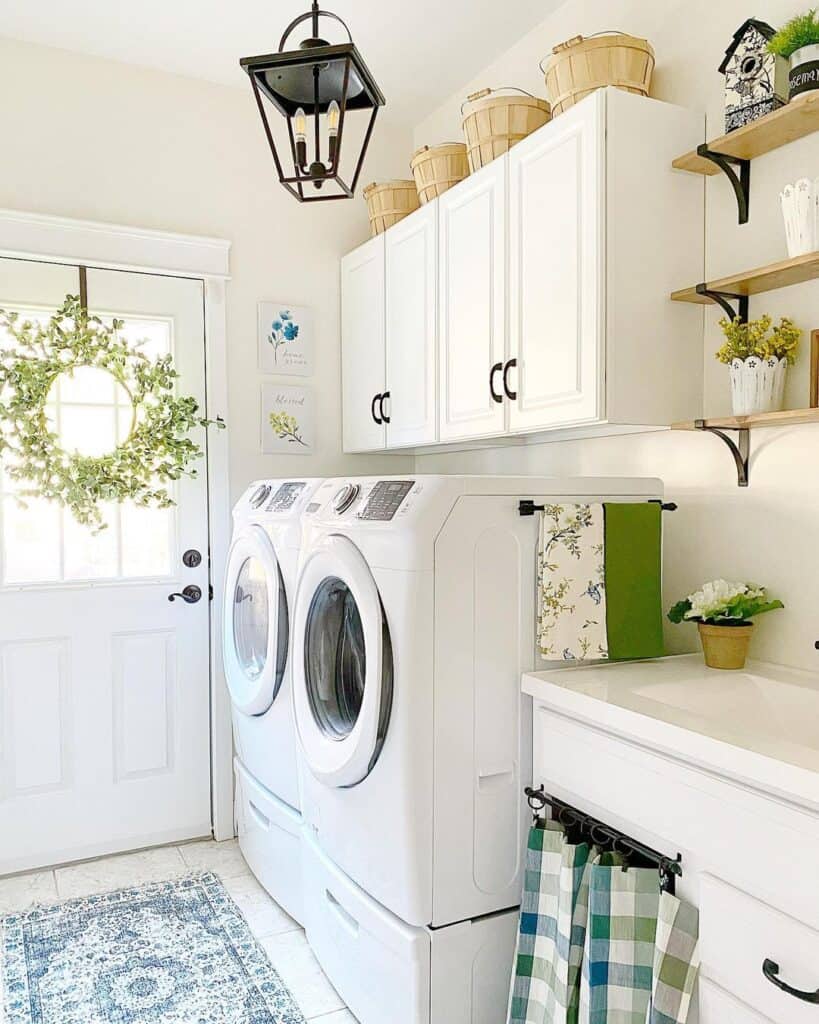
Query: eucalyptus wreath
x,y
157,449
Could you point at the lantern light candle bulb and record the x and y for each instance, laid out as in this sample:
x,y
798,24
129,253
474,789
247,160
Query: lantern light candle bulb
x,y
333,116
300,134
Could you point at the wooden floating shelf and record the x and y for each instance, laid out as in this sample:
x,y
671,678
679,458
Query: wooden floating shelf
x,y
762,279
794,121
762,419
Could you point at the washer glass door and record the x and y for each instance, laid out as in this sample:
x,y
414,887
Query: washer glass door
x,y
256,623
343,688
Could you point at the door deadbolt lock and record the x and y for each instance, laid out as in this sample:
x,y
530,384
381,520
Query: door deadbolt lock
x,y
192,558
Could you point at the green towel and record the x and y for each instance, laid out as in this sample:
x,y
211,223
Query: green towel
x,y
633,572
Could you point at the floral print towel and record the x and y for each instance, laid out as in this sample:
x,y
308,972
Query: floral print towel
x,y
572,588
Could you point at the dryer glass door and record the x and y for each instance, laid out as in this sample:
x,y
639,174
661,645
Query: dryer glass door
x,y
256,623
343,683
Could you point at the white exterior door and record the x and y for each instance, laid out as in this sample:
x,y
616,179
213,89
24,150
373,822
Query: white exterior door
x,y
362,346
472,307
411,257
556,208
104,682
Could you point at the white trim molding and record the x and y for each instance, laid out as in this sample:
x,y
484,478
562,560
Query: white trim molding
x,y
51,239
62,240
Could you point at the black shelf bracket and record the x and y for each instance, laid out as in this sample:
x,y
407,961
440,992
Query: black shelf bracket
x,y
739,449
741,183
723,299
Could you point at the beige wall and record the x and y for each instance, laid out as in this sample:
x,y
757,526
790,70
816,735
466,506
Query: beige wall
x,y
89,138
769,533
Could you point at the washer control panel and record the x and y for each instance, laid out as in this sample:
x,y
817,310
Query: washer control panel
x,y
385,499
286,496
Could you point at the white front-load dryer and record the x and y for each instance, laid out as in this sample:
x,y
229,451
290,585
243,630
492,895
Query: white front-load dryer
x,y
413,623
259,588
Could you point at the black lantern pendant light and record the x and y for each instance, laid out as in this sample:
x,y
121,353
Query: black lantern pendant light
x,y
322,82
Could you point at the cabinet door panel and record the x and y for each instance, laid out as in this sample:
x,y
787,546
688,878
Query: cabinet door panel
x,y
555,237
411,328
362,344
472,309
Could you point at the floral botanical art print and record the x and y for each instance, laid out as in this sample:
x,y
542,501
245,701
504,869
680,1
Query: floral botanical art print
x,y
287,420
285,339
571,584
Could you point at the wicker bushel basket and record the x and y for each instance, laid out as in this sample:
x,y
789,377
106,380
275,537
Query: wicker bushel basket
x,y
389,202
579,66
437,168
493,123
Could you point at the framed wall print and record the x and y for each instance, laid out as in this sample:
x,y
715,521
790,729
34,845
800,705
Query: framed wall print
x,y
285,339
287,420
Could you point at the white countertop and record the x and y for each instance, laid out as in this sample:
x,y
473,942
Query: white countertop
x,y
759,726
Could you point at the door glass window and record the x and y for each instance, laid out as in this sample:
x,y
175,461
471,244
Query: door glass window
x,y
251,617
336,662
91,413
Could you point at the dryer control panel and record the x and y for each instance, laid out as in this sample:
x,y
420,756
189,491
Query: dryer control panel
x,y
286,496
385,499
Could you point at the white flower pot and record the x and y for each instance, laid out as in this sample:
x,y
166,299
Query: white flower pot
x,y
800,212
757,385
804,70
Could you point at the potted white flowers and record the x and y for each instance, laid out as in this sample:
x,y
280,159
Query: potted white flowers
x,y
758,357
723,613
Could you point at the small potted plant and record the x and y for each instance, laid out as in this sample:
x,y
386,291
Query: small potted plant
x,y
758,357
723,613
798,42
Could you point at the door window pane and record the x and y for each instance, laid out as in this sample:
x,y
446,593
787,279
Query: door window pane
x,y
91,413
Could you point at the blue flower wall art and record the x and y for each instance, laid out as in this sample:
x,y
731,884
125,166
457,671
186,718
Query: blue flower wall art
x,y
285,339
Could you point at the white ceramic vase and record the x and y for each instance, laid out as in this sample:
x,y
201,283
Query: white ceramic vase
x,y
800,211
757,385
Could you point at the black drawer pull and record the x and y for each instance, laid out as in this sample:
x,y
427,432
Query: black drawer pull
x,y
384,416
376,398
771,971
495,396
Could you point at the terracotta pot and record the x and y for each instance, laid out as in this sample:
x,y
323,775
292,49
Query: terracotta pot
x,y
725,646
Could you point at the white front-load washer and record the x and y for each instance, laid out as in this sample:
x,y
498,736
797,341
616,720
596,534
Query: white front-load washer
x,y
259,588
413,623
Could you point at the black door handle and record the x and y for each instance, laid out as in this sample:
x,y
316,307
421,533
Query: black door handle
x,y
376,398
771,970
384,416
495,396
190,594
511,395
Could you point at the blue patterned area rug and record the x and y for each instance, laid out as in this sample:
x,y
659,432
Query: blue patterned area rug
x,y
178,952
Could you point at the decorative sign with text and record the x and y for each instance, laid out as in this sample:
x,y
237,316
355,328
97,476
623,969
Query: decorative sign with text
x,y
287,420
285,339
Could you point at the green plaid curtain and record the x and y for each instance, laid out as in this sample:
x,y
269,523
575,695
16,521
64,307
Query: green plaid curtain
x,y
676,960
618,959
554,908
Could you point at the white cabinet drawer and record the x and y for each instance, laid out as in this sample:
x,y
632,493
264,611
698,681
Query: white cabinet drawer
x,y
738,933
719,1007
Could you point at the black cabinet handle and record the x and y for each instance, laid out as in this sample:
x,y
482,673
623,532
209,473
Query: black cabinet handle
x,y
495,396
190,594
511,395
771,971
376,398
384,416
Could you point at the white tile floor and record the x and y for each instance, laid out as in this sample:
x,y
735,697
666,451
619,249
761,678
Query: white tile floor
x,y
282,939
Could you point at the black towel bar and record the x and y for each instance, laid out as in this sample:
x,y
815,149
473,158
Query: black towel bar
x,y
604,835
527,507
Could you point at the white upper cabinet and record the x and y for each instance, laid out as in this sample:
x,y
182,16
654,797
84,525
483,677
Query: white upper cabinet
x,y
363,371
472,304
555,242
410,405
554,267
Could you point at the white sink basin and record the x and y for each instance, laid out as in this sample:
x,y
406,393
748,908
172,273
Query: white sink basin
x,y
745,702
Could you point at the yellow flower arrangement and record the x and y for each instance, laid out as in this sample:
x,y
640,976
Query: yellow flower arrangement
x,y
752,338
